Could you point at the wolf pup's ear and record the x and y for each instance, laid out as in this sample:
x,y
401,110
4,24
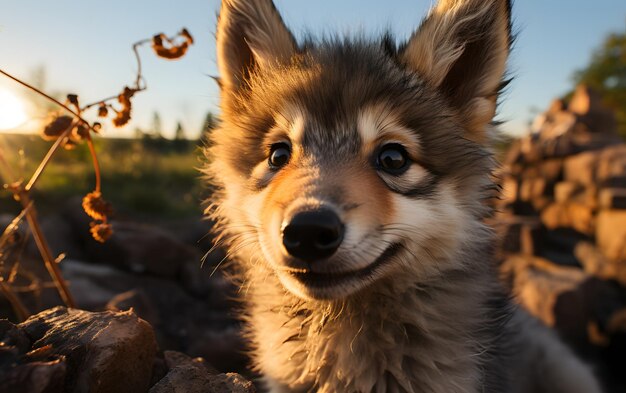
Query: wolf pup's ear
x,y
462,49
250,33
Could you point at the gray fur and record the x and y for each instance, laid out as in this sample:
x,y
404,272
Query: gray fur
x,y
418,307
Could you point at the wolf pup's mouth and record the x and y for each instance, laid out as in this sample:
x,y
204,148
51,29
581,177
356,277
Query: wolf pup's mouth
x,y
325,280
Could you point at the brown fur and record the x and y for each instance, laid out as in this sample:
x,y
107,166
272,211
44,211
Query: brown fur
x,y
409,301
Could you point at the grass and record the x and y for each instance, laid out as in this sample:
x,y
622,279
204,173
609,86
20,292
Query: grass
x,y
144,179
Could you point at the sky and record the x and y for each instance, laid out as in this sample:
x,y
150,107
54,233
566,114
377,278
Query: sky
x,y
84,47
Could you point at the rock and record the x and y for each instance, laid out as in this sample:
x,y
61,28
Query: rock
x,y
12,337
61,238
581,168
537,283
203,323
564,191
596,264
223,348
584,315
143,248
585,100
552,169
532,188
569,215
587,104
612,198
556,124
26,371
176,359
139,302
189,379
105,352
611,234
186,374
612,162
35,377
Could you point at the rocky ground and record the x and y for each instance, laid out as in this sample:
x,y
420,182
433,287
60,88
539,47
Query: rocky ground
x,y
61,350
154,270
562,220
563,229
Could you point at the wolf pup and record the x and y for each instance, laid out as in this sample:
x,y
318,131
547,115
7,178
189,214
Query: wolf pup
x,y
350,181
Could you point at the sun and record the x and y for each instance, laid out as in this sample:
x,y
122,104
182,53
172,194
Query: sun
x,y
12,110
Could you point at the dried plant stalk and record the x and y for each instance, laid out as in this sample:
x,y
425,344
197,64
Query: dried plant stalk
x,y
68,131
44,250
21,312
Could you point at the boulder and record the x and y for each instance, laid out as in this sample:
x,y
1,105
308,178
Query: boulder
x,y
569,215
187,379
581,168
35,377
587,104
77,351
531,189
596,264
189,375
537,283
612,198
69,350
611,234
143,248
566,190
611,162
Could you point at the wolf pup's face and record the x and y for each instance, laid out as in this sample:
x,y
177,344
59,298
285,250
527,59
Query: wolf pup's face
x,y
342,163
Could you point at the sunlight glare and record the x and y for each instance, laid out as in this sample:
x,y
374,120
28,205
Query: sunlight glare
x,y
12,110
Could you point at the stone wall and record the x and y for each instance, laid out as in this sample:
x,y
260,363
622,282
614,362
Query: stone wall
x,y
562,219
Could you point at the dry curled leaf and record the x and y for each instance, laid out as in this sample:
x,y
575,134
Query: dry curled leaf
x,y
73,99
80,132
123,116
56,127
96,207
101,232
185,33
173,51
103,111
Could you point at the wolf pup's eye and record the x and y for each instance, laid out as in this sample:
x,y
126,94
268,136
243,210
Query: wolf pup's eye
x,y
279,155
393,159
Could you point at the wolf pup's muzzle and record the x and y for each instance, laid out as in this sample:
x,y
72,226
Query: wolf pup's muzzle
x,y
313,235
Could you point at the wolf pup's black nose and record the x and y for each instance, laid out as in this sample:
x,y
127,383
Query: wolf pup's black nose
x,y
313,235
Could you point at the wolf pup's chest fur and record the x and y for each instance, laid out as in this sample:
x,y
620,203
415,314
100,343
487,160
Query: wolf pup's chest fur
x,y
350,178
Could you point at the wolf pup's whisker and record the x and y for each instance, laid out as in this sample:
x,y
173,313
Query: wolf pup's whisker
x,y
350,183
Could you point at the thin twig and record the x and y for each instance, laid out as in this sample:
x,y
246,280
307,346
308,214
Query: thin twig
x,y
47,158
21,312
12,227
139,76
140,82
44,250
96,165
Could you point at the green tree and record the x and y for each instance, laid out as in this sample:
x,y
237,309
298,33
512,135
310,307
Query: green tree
x,y
157,126
179,134
606,72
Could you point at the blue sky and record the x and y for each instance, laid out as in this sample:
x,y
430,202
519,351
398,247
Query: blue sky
x,y
84,47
